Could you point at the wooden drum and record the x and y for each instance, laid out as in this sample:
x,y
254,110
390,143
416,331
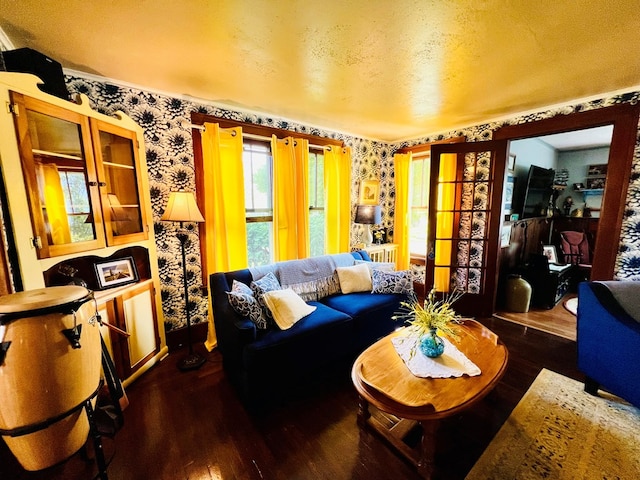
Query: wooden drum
x,y
46,371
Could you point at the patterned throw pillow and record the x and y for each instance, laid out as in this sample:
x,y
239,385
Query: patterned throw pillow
x,y
391,282
259,287
244,303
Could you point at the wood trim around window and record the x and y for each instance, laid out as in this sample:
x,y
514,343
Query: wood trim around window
x,y
198,118
425,147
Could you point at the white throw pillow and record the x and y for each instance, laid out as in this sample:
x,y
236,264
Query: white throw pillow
x,y
354,279
287,307
384,266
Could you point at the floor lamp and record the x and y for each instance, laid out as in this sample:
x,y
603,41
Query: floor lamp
x,y
182,207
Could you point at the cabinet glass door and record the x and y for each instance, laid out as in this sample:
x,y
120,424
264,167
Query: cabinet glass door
x,y
60,177
116,152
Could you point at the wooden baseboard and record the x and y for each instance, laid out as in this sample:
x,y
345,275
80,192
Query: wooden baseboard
x,y
177,338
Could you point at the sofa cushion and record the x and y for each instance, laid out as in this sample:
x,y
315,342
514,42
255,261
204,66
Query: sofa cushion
x,y
371,314
287,307
315,339
244,303
265,284
354,279
384,266
391,282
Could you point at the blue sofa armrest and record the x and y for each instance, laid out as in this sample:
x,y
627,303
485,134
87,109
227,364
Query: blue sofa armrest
x,y
608,343
361,255
232,330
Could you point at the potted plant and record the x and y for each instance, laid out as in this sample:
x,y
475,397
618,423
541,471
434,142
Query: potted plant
x,y
425,321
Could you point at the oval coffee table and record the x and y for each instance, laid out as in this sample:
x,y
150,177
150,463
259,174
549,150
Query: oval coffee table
x,y
383,380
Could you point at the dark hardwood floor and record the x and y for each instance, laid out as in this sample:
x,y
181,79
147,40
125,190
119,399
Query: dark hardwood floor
x,y
190,425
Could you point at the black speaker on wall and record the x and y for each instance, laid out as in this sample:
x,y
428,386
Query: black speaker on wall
x,y
27,60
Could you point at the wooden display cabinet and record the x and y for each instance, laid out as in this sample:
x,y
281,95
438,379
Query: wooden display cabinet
x,y
82,177
76,192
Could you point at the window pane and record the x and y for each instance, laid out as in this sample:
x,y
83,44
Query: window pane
x,y
419,208
316,232
259,243
257,169
316,202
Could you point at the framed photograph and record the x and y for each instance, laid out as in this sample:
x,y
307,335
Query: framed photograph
x,y
369,192
549,251
511,162
597,169
578,186
508,193
505,235
112,273
597,182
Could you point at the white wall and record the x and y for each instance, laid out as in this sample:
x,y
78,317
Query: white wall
x,y
577,162
529,151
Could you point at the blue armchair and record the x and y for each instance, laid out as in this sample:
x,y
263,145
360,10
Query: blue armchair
x,y
608,339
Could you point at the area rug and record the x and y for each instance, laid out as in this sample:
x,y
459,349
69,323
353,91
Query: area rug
x,y
572,305
558,431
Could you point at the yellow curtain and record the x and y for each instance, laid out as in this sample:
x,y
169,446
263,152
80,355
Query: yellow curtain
x,y
402,162
290,198
337,184
224,209
54,202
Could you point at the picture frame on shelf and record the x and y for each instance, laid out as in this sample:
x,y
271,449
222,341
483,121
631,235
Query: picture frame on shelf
x,y
511,162
505,235
578,186
508,193
369,192
600,169
595,183
550,252
112,273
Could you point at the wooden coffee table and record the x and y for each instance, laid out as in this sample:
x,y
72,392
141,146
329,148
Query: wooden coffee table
x,y
383,380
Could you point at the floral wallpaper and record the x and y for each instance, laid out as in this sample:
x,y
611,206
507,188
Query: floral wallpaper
x,y
628,261
169,153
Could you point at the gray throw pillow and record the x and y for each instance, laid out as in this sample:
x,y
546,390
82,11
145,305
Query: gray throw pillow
x,y
391,282
244,303
261,286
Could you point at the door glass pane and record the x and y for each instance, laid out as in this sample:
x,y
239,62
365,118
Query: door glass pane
x,y
123,205
61,174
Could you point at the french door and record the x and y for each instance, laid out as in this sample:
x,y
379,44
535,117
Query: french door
x,y
464,222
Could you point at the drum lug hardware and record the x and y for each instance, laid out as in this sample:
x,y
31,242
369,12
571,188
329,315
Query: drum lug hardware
x,y
4,346
73,335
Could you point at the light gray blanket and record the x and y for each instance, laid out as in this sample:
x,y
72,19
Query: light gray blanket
x,y
311,278
627,294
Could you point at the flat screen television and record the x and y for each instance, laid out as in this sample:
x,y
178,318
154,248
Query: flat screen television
x,y
538,192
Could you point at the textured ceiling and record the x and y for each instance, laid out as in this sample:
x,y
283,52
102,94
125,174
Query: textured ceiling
x,y
385,70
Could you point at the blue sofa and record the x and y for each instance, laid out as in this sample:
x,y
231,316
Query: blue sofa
x,y
263,364
608,338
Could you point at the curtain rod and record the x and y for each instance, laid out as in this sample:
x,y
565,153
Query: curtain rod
x,y
251,136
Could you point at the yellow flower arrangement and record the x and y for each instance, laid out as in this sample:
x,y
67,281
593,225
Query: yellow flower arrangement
x,y
434,314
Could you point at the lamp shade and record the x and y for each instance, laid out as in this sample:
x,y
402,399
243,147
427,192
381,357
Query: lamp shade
x,y
368,214
182,207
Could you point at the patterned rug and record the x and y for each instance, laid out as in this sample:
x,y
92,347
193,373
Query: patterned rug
x,y
558,431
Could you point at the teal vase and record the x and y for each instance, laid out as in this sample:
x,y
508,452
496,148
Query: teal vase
x,y
431,345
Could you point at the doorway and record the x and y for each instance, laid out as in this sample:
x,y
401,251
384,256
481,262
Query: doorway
x,y
624,120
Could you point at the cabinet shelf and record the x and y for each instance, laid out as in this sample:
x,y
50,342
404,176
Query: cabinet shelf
x,y
46,153
119,165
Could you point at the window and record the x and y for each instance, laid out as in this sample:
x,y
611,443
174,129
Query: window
x,y
419,204
258,179
76,199
316,201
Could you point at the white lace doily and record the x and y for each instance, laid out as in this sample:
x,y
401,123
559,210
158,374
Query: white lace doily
x,y
452,363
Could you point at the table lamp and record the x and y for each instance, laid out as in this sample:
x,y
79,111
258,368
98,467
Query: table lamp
x,y
368,215
182,207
